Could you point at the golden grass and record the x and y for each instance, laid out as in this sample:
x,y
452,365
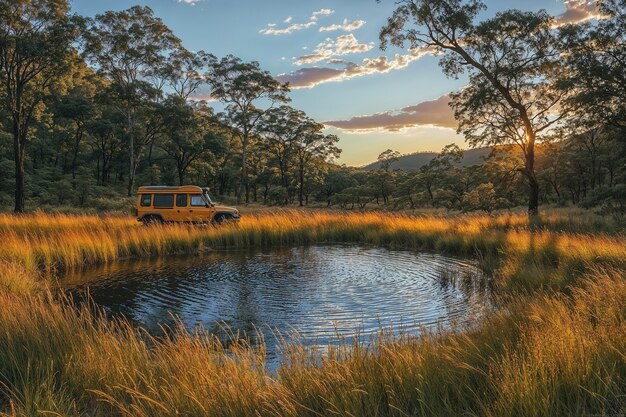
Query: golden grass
x,y
46,244
552,355
545,353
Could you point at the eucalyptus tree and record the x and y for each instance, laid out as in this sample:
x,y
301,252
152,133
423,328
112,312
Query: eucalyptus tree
x,y
221,171
597,62
502,169
131,48
106,139
315,177
336,180
36,53
75,109
263,173
184,72
191,133
408,188
383,178
386,158
241,85
433,173
280,129
311,145
513,61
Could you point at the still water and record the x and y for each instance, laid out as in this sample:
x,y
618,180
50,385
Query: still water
x,y
317,291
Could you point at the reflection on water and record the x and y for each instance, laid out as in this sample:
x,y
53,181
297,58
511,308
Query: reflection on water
x,y
318,291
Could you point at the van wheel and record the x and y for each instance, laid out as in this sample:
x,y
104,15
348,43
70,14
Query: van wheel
x,y
151,220
219,219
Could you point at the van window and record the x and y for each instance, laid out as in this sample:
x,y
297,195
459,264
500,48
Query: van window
x,y
163,200
197,201
181,200
146,199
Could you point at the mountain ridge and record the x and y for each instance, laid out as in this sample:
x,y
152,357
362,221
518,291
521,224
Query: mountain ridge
x,y
414,161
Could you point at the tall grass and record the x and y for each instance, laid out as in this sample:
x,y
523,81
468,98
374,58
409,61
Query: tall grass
x,y
548,356
546,352
46,244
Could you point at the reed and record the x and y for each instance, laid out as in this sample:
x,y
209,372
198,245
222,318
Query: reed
x,y
556,347
546,356
48,244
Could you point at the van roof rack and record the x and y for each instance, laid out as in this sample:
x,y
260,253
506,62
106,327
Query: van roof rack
x,y
172,188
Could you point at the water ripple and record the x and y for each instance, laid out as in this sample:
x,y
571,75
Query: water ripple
x,y
318,291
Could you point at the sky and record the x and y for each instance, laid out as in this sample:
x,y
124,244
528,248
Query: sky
x,y
328,50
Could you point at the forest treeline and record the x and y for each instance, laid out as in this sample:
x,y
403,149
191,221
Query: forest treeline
x,y
93,107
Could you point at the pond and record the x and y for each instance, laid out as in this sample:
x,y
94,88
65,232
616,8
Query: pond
x,y
317,291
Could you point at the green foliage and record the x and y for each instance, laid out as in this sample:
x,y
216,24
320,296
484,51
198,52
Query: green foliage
x,y
514,65
36,53
240,85
95,132
482,197
597,69
386,158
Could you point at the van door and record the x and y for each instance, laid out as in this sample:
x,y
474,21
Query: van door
x,y
182,211
198,211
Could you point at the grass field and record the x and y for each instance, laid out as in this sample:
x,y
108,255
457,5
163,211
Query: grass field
x,y
557,345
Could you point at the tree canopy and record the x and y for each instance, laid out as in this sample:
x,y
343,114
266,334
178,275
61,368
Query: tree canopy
x,y
91,107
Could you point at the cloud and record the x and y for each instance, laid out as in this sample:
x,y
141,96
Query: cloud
x,y
578,11
343,45
428,113
271,29
346,26
191,2
309,77
321,12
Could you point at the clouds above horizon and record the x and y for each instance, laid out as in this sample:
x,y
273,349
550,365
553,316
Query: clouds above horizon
x,y
342,45
271,28
428,113
341,70
346,26
578,11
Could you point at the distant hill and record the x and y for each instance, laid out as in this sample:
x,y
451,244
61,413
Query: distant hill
x,y
414,161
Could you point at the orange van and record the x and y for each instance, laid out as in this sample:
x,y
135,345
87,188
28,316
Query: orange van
x,y
188,203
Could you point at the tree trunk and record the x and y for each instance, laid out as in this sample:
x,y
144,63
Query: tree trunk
x,y
244,169
19,140
555,186
132,174
77,140
533,184
131,152
430,194
106,167
131,180
301,188
533,198
181,176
